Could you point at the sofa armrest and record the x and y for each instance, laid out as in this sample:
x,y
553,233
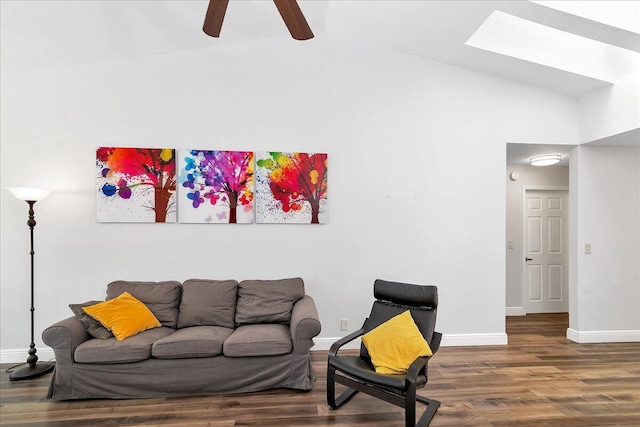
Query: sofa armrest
x,y
63,337
305,324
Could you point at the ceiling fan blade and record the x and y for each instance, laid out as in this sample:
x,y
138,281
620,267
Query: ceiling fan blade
x,y
294,19
214,17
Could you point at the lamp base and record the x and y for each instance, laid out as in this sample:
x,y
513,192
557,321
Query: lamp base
x,y
31,371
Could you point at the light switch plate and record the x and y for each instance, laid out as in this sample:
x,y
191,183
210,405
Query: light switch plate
x,y
587,248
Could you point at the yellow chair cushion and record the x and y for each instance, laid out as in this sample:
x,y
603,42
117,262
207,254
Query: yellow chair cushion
x,y
125,316
395,344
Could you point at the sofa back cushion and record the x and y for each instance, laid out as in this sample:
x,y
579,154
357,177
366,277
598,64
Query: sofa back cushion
x,y
208,303
267,301
162,298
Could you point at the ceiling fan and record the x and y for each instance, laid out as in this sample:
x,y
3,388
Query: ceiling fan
x,y
289,10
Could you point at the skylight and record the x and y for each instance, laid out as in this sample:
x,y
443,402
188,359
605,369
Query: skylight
x,y
619,14
525,40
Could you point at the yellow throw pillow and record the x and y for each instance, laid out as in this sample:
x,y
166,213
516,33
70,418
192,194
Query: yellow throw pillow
x,y
394,345
125,316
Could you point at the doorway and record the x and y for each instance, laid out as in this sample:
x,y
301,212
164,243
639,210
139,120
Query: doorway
x,y
527,282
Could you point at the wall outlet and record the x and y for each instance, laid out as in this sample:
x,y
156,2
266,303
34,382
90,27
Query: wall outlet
x,y
344,324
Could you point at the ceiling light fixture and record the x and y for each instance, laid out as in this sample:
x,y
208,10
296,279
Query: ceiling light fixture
x,y
547,160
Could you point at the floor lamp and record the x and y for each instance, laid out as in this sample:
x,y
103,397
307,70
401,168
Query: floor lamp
x,y
33,368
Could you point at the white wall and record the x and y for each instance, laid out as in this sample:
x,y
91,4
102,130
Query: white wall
x,y
554,176
605,211
416,185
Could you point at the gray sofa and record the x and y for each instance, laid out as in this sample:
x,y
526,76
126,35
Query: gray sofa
x,y
216,337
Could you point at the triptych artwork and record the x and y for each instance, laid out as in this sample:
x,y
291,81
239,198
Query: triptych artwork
x,y
210,186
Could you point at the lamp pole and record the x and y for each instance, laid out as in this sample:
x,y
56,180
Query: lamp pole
x,y
33,368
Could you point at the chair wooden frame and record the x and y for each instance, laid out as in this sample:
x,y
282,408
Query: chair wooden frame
x,y
405,399
357,373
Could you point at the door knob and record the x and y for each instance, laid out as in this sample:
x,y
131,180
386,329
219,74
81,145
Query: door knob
x,y
528,259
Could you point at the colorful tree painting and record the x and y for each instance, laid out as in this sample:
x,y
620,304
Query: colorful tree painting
x,y
219,179
144,177
292,187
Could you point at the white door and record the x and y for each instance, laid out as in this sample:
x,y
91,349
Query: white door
x,y
546,251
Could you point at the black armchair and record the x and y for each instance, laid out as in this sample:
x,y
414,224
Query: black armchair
x,y
357,372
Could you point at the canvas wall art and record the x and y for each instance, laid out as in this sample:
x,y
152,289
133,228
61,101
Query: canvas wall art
x,y
291,187
216,186
136,184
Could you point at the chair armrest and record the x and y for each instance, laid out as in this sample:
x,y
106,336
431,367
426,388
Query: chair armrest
x,y
63,337
434,345
333,351
422,362
305,323
416,367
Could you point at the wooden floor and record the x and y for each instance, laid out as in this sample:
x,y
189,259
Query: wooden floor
x,y
540,379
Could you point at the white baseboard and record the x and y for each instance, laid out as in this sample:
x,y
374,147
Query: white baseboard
x,y
448,340
20,355
324,343
590,337
456,340
321,343
516,311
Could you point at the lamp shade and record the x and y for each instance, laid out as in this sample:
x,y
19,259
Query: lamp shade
x,y
29,193
547,160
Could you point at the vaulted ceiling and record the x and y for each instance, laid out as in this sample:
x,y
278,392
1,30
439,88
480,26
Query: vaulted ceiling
x,y
52,33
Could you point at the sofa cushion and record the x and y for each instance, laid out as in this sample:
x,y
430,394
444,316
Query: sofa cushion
x,y
195,341
133,349
94,327
396,344
125,316
208,303
258,340
267,301
162,298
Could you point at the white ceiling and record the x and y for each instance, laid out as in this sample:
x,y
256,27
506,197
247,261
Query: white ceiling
x,y
519,154
41,34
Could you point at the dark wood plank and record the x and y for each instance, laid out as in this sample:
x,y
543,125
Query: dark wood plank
x,y
540,379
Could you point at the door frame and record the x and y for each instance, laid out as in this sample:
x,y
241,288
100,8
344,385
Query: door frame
x,y
523,227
